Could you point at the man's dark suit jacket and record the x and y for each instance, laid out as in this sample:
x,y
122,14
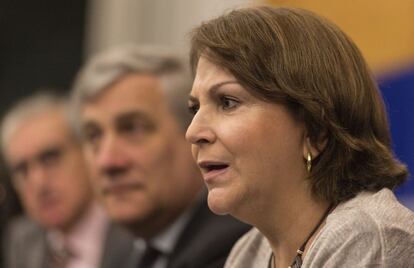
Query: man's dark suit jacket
x,y
25,246
206,240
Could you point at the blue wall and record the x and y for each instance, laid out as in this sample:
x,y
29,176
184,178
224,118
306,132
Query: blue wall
x,y
398,93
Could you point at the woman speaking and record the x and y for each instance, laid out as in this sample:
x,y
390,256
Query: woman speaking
x,y
291,136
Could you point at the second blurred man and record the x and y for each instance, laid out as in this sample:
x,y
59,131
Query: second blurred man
x,y
131,108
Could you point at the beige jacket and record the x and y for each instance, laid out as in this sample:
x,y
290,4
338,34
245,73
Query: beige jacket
x,y
370,230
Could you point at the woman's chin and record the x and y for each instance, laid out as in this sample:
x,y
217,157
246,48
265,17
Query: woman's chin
x,y
219,202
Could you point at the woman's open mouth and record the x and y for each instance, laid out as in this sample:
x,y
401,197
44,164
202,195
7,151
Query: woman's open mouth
x,y
212,169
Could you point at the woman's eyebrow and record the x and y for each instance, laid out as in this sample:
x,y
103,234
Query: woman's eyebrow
x,y
215,87
212,90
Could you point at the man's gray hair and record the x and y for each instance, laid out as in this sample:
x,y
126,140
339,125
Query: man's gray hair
x,y
29,107
109,67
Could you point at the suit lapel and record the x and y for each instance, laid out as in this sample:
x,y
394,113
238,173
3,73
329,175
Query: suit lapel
x,y
37,253
118,248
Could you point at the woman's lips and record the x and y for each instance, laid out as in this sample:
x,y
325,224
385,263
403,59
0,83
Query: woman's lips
x,y
211,170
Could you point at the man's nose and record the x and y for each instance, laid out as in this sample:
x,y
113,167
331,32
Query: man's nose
x,y
37,176
111,156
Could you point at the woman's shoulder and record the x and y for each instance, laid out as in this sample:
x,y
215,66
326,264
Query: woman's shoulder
x,y
251,250
375,209
370,229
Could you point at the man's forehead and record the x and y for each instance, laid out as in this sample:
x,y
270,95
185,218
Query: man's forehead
x,y
125,101
26,152
121,115
135,86
39,132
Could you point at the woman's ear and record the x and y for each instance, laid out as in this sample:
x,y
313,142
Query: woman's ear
x,y
313,149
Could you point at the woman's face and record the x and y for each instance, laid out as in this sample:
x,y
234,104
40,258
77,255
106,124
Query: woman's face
x,y
250,152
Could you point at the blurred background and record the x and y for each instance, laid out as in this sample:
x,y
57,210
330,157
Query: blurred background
x,y
43,43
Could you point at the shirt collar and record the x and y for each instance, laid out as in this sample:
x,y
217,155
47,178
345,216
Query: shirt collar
x,y
88,232
166,240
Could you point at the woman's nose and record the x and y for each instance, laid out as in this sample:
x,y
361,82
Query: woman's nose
x,y
200,130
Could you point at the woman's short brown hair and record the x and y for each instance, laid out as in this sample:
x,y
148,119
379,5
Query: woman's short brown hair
x,y
295,57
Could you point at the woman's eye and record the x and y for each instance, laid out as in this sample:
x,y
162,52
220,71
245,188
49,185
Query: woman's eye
x,y
228,103
193,108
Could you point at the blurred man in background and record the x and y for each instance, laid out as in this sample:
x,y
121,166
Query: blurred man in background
x,y
131,104
64,226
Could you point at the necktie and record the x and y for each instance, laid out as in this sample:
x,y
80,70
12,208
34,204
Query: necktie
x,y
58,258
149,257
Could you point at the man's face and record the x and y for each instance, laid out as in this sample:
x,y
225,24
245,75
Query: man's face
x,y
48,170
140,161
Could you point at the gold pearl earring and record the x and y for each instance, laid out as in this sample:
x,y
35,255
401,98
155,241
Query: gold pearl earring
x,y
309,162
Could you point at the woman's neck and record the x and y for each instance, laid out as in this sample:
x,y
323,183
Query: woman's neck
x,y
288,223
